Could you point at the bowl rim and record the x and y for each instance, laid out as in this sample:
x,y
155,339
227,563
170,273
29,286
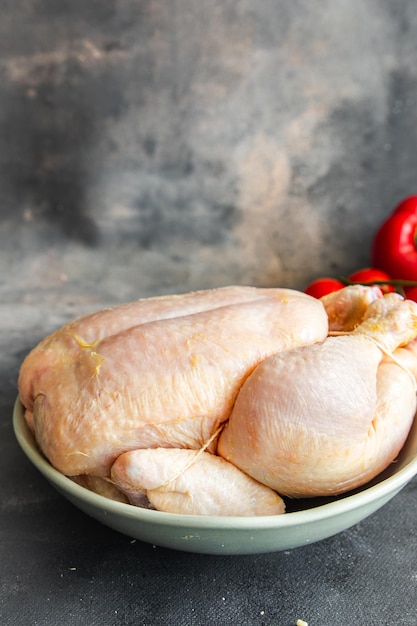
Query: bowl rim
x,y
383,488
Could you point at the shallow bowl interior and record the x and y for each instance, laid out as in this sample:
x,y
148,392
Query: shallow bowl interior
x,y
308,520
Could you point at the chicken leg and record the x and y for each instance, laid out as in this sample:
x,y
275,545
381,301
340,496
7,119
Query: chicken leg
x,y
326,418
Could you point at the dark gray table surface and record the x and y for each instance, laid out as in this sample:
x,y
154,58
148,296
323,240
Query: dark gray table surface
x,y
151,147
58,566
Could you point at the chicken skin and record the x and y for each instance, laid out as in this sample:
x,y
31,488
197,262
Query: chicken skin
x,y
326,418
219,402
191,482
166,374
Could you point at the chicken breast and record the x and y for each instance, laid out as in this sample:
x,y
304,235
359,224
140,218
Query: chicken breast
x,y
85,332
326,418
192,483
165,375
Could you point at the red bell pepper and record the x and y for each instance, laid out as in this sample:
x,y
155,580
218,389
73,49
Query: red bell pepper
x,y
394,248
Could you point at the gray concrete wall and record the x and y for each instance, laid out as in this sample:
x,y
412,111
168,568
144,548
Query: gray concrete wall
x,y
151,147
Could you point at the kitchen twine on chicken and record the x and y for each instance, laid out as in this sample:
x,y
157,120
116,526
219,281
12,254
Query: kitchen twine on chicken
x,y
194,459
337,333
187,465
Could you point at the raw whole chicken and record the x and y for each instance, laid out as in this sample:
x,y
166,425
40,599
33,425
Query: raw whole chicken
x,y
162,372
132,401
326,418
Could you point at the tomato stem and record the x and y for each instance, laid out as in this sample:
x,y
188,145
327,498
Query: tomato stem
x,y
398,284
393,282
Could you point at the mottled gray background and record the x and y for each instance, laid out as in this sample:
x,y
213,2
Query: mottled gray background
x,y
149,147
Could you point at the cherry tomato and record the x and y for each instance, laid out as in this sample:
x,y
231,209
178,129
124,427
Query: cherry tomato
x,y
369,274
411,293
322,286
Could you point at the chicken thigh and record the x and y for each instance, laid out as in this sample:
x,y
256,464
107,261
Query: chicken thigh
x,y
165,373
326,418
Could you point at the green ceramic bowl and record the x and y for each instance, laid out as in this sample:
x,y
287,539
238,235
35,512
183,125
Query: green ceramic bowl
x,y
229,535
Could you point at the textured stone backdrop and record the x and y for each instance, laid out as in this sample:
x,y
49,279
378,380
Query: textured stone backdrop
x,y
150,146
